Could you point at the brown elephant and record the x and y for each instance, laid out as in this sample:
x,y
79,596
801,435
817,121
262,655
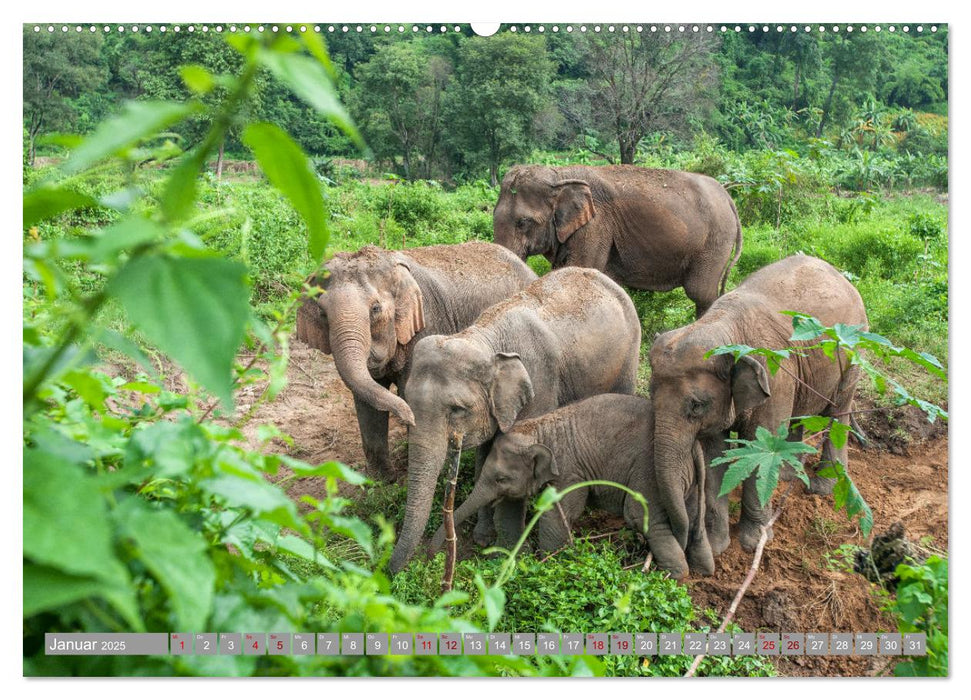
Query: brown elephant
x,y
645,228
570,334
608,437
379,303
703,399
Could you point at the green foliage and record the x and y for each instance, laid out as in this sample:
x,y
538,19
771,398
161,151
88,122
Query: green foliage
x,y
763,456
555,596
921,606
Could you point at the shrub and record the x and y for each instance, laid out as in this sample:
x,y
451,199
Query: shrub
x,y
555,596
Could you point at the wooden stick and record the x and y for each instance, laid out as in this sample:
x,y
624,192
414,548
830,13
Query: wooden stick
x,y
448,512
647,562
756,560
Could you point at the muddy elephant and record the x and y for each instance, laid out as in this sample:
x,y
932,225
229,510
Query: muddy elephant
x,y
645,228
379,303
571,334
606,437
703,399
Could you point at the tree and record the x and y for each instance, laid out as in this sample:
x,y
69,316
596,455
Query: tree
x,y
502,86
57,67
854,62
648,82
398,103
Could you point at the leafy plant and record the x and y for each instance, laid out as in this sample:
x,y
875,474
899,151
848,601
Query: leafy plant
x,y
921,606
768,452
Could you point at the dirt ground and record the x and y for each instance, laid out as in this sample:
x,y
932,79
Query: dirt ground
x,y
803,584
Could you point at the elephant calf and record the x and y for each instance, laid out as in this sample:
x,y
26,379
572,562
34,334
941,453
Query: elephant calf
x,y
571,334
699,399
607,437
378,303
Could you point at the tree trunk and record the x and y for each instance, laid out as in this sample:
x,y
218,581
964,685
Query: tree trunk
x,y
219,160
628,149
829,104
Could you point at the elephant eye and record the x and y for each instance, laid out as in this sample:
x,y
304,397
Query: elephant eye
x,y
697,407
523,223
459,410
375,309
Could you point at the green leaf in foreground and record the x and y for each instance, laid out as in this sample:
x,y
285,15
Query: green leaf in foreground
x,y
765,454
137,121
176,556
846,495
310,81
288,169
45,202
193,309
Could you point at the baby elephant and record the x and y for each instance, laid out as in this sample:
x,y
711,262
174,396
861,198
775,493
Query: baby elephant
x,y
606,437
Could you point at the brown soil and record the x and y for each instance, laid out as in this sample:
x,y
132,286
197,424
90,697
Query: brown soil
x,y
803,585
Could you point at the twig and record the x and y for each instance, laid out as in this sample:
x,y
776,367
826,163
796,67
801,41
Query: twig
x,y
566,524
553,554
448,512
590,538
647,562
753,570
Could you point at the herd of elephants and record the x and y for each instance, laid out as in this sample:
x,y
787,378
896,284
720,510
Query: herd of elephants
x,y
538,374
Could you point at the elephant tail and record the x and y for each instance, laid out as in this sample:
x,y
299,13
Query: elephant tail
x,y
737,246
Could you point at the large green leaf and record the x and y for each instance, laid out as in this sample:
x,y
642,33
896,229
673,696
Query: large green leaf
x,y
259,496
137,121
176,556
105,246
310,81
45,202
287,168
193,309
46,588
65,519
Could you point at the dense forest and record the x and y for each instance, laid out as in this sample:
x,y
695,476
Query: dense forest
x,y
191,465
452,106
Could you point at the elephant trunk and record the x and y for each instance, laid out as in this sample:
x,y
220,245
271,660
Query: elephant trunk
x,y
351,342
673,463
424,465
482,495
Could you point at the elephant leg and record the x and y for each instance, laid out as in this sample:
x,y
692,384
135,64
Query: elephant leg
x,y
787,473
698,553
374,436
701,286
551,533
753,517
510,521
485,531
716,507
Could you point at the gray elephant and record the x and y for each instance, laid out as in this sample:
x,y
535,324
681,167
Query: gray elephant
x,y
647,229
607,437
571,334
703,399
379,303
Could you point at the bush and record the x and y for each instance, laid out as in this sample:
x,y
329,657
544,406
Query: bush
x,y
872,251
555,596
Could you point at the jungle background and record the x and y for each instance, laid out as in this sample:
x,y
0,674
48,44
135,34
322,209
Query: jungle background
x,y
831,143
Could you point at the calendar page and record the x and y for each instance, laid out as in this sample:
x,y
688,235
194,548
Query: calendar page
x,y
441,349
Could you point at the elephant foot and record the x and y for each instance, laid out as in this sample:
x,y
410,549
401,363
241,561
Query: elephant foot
x,y
719,541
673,562
821,485
749,534
484,533
700,560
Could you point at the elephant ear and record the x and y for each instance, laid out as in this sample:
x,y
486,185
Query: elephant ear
x,y
544,465
572,208
409,313
312,327
511,389
750,383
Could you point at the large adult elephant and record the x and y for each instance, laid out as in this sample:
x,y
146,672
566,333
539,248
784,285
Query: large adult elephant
x,y
379,303
645,228
703,399
571,334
